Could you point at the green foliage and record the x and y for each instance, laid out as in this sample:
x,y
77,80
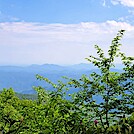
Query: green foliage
x,y
53,113
115,89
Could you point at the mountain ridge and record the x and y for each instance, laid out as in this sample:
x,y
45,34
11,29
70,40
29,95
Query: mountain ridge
x,y
21,79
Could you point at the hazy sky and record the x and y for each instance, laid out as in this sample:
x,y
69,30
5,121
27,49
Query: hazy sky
x,y
62,31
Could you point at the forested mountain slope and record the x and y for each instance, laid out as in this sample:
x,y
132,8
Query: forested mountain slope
x,y
22,79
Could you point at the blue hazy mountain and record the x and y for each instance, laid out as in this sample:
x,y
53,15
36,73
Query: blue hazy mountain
x,y
22,79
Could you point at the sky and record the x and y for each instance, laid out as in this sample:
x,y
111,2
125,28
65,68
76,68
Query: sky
x,y
62,31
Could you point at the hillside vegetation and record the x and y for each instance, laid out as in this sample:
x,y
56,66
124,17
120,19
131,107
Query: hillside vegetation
x,y
53,113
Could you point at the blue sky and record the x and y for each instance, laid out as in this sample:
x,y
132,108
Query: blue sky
x,y
61,31
62,11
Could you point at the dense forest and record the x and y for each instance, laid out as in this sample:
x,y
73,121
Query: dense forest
x,y
52,112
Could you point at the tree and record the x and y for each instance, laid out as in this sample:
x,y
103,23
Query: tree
x,y
116,90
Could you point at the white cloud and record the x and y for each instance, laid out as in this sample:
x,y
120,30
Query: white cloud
x,y
104,3
4,17
115,2
128,3
28,43
131,12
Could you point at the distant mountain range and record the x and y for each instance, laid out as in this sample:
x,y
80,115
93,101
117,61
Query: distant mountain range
x,y
22,79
